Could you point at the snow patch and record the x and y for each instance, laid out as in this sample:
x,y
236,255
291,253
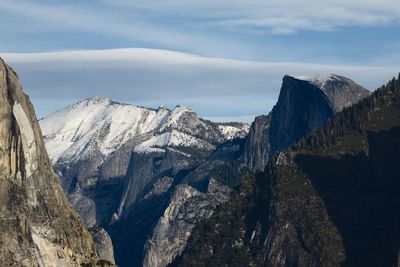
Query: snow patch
x,y
175,116
231,132
318,80
170,139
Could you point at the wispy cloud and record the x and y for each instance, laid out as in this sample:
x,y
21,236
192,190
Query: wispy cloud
x,y
121,23
213,87
277,16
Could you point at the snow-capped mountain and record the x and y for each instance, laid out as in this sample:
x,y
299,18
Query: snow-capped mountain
x,y
111,155
98,142
101,125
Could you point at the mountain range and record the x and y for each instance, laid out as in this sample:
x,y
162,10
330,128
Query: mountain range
x,y
149,176
313,183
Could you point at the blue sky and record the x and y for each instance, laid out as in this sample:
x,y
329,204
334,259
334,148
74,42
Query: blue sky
x,y
223,58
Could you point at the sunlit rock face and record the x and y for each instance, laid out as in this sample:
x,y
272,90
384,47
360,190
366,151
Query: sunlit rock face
x,y
38,227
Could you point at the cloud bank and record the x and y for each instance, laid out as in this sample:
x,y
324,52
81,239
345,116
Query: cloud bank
x,y
216,88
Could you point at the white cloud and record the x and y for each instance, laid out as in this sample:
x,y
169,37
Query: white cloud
x,y
213,87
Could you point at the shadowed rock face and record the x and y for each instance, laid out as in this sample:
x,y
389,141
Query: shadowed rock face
x,y
305,103
257,148
38,227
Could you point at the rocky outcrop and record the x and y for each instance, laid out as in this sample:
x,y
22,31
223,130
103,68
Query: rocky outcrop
x,y
38,227
103,243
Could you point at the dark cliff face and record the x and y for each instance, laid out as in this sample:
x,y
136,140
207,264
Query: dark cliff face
x,y
330,200
301,107
304,104
257,147
38,227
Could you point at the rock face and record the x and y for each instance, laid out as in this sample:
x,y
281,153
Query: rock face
x,y
159,224
305,103
257,146
38,227
186,208
329,200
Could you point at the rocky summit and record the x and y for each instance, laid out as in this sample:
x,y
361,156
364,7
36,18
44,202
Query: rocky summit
x,y
38,226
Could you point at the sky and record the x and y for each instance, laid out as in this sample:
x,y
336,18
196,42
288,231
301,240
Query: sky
x,y
224,59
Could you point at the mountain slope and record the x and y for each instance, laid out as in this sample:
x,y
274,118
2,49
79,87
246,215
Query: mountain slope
x,y
330,200
38,227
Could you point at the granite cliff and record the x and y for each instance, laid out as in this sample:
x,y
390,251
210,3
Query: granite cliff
x,y
38,226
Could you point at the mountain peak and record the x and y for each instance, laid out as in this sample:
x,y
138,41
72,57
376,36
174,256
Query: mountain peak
x,y
182,108
162,107
97,100
340,91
